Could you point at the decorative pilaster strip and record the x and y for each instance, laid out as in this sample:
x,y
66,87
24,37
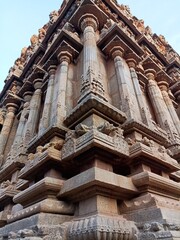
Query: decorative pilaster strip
x,y
144,111
47,110
18,140
34,111
91,78
58,111
6,129
160,108
126,104
164,90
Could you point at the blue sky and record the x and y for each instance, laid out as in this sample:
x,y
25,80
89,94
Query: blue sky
x,y
20,19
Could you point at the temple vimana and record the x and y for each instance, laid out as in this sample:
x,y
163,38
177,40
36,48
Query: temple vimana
x,y
90,130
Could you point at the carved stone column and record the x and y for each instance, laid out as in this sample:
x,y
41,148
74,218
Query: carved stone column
x,y
6,129
160,108
145,114
175,88
34,111
22,122
58,111
164,90
127,104
47,110
91,78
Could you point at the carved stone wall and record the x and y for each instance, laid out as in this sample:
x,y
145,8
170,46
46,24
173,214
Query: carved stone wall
x,y
89,130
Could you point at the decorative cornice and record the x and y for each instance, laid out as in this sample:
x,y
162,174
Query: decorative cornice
x,y
96,105
151,182
40,189
116,37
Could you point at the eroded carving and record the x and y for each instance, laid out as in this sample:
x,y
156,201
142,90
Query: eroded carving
x,y
53,16
101,227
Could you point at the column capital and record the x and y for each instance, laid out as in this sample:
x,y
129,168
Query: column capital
x,y
150,74
37,83
132,59
163,85
116,51
65,56
27,96
12,107
52,69
88,20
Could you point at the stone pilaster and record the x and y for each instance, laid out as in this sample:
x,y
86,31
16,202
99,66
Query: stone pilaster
x,y
6,129
164,90
91,78
145,114
159,106
175,88
126,104
34,111
22,121
58,111
47,110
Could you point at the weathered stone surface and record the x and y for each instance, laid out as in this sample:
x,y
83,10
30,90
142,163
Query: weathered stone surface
x,y
90,130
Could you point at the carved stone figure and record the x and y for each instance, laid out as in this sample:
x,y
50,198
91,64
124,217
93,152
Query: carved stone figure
x,y
140,25
41,34
126,10
34,41
81,129
53,16
2,115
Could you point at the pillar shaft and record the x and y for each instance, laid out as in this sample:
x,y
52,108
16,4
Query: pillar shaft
x,y
144,111
128,102
46,115
160,108
61,97
171,109
34,111
90,51
139,96
6,129
21,125
91,78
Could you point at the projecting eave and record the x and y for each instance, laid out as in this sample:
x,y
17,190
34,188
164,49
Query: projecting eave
x,y
143,40
126,20
63,40
117,37
88,7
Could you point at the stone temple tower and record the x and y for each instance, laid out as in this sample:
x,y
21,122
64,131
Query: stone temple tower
x,y
90,130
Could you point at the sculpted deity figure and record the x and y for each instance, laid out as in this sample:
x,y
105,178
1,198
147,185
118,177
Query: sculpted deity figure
x,y
106,26
148,31
23,54
2,115
18,64
41,35
126,10
139,23
29,53
162,39
53,16
34,40
14,89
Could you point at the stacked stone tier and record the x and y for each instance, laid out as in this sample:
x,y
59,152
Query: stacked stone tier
x,y
97,181
41,163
